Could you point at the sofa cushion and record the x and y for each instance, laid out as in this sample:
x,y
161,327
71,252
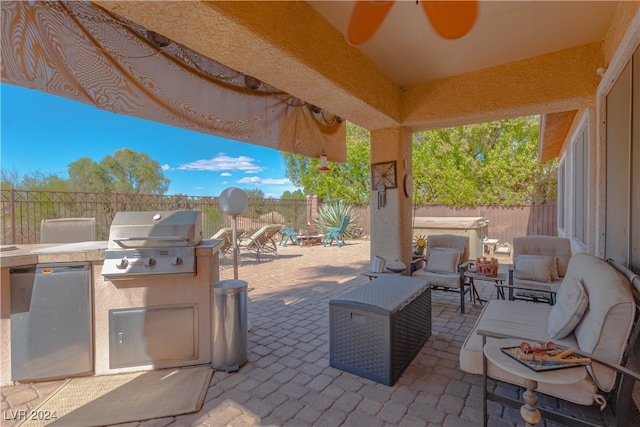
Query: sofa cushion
x,y
524,320
571,304
534,267
443,260
605,326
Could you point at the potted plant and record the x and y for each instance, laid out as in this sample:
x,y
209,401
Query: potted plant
x,y
420,242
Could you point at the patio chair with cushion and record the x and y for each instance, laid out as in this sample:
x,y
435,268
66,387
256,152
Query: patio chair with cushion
x,y
446,259
67,230
539,265
337,233
262,241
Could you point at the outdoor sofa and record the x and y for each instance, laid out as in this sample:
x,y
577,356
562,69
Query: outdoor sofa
x,y
596,308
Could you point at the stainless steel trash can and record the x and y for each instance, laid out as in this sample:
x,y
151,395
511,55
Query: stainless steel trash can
x,y
229,325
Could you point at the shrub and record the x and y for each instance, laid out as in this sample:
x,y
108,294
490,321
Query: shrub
x,y
331,214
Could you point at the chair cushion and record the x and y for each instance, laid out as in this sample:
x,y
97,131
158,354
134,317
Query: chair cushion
x,y
443,260
442,280
571,303
534,267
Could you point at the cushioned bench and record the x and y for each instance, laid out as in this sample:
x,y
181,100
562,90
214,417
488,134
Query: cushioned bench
x,y
595,313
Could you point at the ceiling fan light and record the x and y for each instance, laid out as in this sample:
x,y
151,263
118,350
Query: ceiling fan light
x,y
451,19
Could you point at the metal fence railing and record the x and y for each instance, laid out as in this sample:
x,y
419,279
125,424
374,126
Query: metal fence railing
x,y
22,211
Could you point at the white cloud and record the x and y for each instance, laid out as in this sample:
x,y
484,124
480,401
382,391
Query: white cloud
x,y
271,181
165,167
249,180
225,174
222,162
263,181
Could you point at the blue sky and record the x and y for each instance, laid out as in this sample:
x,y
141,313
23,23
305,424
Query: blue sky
x,y
44,133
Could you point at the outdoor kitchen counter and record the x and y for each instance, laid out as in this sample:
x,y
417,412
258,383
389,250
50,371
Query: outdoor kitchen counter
x,y
107,295
31,254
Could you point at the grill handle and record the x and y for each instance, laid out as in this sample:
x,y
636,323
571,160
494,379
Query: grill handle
x,y
121,240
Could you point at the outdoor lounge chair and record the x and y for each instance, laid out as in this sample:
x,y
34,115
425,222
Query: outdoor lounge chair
x,y
262,241
226,234
447,257
337,233
539,265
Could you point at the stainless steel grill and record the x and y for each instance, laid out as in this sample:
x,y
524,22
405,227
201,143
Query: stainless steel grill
x,y
152,244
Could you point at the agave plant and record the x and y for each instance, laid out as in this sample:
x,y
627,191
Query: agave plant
x,y
331,214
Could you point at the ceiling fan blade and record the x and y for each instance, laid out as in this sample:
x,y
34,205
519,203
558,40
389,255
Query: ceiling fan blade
x,y
451,19
365,19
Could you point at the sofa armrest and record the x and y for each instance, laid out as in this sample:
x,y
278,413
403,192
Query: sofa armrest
x,y
511,297
416,264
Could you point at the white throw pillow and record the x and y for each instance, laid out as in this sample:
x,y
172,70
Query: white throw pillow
x,y
571,304
533,267
443,260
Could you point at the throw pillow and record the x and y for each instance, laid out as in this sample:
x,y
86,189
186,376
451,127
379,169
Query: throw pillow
x,y
571,304
443,260
533,267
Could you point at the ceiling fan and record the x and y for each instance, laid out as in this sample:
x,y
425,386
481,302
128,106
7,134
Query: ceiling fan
x,y
450,19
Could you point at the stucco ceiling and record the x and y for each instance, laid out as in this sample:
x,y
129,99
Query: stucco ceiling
x,y
409,51
520,58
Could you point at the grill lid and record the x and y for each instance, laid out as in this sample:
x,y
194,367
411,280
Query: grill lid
x,y
155,229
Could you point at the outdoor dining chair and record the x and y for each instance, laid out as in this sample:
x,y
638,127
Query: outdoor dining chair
x,y
262,241
337,233
288,234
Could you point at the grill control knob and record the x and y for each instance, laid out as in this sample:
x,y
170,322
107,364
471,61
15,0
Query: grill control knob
x,y
122,264
177,261
151,262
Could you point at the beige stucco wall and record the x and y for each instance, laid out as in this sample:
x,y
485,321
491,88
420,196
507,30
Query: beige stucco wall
x,y
391,225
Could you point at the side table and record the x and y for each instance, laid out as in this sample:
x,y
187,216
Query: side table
x,y
472,276
529,411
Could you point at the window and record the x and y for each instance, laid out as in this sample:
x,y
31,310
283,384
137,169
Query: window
x,y
561,195
581,186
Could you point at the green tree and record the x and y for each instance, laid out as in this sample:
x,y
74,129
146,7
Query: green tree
x,y
133,172
493,163
254,193
87,175
32,181
295,195
348,182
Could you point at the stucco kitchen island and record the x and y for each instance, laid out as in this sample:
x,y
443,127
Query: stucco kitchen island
x,y
137,324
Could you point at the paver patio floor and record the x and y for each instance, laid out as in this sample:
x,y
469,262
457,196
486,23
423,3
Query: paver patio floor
x,y
288,381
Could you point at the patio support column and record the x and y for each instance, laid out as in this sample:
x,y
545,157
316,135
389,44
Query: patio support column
x,y
391,233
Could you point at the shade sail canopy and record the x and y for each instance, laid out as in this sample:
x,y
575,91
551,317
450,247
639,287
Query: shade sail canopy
x,y
82,52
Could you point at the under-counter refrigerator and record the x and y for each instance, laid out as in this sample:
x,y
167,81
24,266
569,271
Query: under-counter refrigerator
x,y
51,330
